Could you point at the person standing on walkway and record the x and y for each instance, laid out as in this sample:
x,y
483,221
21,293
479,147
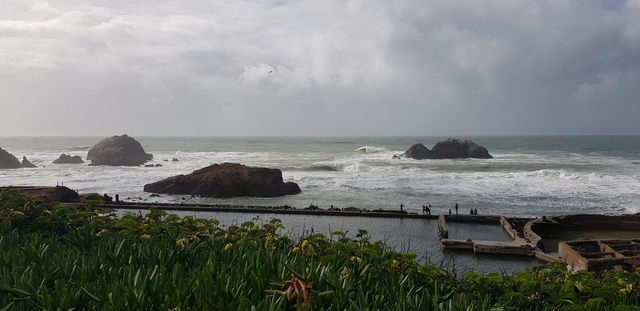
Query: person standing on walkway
x,y
456,208
401,206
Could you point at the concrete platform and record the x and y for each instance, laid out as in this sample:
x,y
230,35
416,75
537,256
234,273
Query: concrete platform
x,y
518,245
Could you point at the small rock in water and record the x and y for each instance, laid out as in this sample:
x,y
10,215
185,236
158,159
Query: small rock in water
x,y
27,163
175,160
68,159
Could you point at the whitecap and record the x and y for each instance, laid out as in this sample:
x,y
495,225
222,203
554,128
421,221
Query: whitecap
x,y
78,148
372,149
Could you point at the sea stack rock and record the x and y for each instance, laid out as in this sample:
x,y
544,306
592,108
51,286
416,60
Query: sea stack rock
x,y
118,151
68,159
418,152
227,180
27,163
8,160
452,148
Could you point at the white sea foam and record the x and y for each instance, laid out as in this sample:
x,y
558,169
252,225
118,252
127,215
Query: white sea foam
x,y
372,149
514,182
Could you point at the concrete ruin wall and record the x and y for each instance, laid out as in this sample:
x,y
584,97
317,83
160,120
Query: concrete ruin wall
x,y
596,255
624,222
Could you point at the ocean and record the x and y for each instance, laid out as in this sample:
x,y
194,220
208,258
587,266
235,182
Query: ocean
x,y
528,176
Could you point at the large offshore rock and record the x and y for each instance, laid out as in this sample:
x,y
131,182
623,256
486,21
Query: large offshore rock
x,y
452,148
8,160
118,151
68,159
227,180
459,148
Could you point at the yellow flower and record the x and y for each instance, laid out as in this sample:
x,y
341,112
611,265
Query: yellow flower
x,y
145,236
226,235
627,289
256,226
305,243
48,212
395,262
344,272
534,296
194,238
355,259
268,242
181,241
228,246
295,250
103,231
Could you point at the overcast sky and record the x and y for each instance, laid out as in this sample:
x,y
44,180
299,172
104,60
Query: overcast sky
x,y
369,67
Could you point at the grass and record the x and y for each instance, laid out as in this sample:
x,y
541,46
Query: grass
x,y
59,258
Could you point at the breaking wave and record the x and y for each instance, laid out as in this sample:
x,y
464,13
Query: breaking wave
x,y
372,149
314,168
362,173
79,148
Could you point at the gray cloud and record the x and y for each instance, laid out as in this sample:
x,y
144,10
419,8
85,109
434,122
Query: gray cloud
x,y
199,67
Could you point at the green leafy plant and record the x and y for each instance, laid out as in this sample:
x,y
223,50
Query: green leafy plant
x,y
56,257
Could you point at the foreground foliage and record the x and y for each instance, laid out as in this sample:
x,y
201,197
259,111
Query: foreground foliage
x,y
54,257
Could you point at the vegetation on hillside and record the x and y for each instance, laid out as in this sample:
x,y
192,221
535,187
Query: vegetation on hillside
x,y
54,257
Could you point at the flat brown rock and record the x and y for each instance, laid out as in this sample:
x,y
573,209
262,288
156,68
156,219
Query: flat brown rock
x,y
227,180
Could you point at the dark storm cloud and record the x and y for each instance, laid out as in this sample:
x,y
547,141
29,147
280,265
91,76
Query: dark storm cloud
x,y
319,68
